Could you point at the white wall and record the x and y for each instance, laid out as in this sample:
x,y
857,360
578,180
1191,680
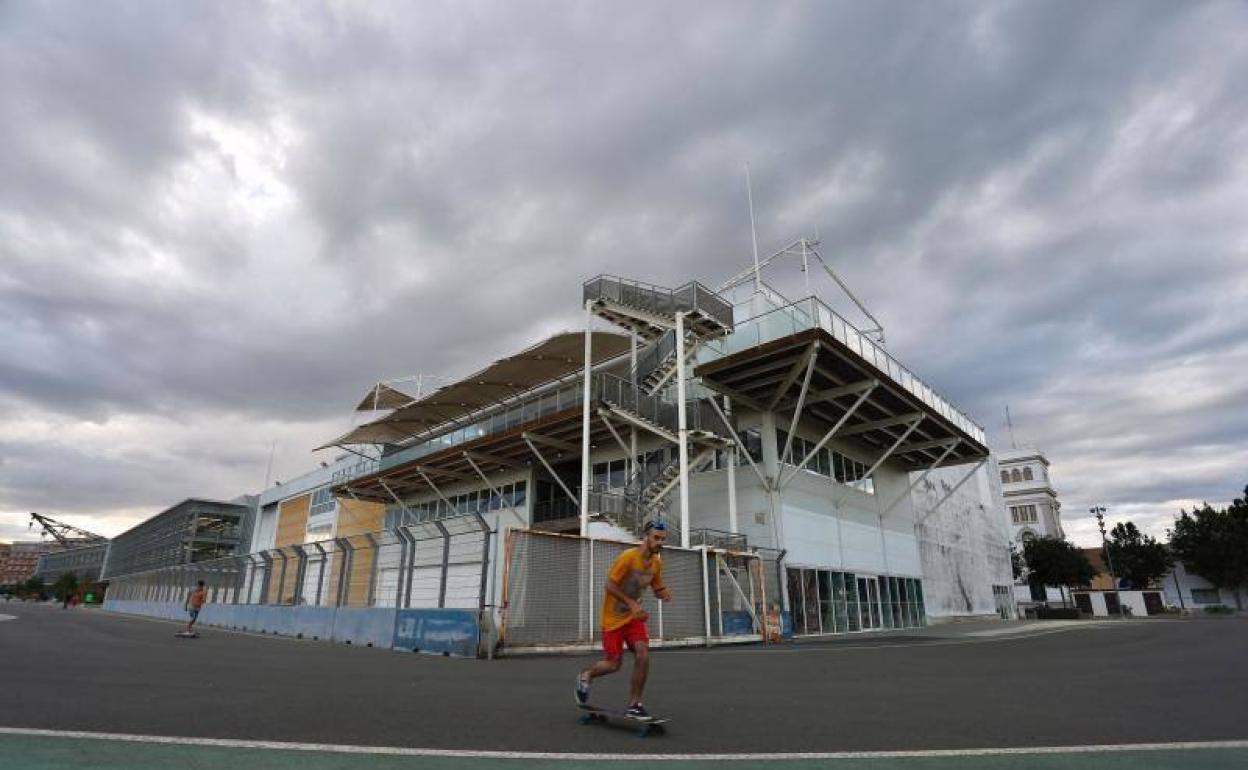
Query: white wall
x,y
963,544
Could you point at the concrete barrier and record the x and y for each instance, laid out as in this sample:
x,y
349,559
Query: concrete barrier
x,y
438,631
451,632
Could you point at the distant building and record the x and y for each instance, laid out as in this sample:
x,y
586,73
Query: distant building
x,y
1190,591
1031,510
85,561
193,530
19,561
1030,499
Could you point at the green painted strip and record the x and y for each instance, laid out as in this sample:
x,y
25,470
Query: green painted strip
x,y
19,752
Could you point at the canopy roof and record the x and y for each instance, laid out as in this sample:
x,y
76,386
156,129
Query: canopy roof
x,y
549,360
383,396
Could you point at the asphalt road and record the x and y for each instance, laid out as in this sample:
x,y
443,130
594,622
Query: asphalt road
x,y
1132,682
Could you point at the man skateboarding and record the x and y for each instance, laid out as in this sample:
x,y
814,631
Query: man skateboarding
x,y
624,620
194,603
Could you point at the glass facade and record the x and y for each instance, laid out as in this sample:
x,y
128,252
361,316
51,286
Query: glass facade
x,y
477,501
830,602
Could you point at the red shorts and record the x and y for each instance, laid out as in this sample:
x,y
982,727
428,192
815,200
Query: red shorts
x,y
630,633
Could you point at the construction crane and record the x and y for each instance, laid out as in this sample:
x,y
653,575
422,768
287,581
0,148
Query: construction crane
x,y
67,535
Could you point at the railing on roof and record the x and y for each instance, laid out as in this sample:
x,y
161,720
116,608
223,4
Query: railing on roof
x,y
700,416
810,313
659,300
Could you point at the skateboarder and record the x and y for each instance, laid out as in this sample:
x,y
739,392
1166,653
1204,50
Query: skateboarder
x,y
194,603
624,620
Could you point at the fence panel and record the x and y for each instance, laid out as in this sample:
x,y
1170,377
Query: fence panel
x,y
554,592
439,564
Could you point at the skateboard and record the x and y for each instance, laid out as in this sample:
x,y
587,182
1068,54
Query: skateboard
x,y
185,635
596,715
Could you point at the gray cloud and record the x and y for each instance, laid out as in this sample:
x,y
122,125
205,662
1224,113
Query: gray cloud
x,y
230,214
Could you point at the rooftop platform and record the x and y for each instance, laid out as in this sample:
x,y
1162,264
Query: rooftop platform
x,y
762,365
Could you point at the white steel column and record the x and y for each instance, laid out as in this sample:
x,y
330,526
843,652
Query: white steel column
x,y
683,432
632,432
585,467
732,477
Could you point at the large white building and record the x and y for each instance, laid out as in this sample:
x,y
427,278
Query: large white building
x,y
803,439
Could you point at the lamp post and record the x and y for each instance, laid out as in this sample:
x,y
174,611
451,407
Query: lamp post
x,y
1099,512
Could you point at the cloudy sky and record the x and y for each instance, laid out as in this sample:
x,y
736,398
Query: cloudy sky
x,y
220,222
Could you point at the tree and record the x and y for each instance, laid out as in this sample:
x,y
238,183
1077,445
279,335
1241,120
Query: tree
x,y
1214,544
1055,562
32,587
65,587
1137,559
1017,565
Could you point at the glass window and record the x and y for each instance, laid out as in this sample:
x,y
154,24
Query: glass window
x,y
795,600
851,602
826,611
810,601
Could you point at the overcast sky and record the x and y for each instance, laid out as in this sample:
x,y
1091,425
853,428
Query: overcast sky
x,y
221,222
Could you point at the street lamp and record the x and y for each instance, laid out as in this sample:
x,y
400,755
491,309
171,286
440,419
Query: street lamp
x,y
1099,512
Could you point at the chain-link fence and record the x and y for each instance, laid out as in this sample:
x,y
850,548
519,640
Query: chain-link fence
x,y
437,564
553,588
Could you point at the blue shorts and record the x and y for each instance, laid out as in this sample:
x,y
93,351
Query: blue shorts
x,y
193,613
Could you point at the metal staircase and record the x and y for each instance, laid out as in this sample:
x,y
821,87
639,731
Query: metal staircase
x,y
651,311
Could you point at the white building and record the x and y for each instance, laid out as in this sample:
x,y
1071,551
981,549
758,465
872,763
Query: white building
x,y
804,438
1190,591
1030,499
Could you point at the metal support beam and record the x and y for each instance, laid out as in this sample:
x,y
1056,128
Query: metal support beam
x,y
556,477
618,439
403,537
953,444
880,461
457,475
887,422
683,425
806,361
372,576
344,574
485,457
631,419
949,494
587,387
555,443
446,562
819,396
740,446
735,395
320,577
785,480
801,401
438,491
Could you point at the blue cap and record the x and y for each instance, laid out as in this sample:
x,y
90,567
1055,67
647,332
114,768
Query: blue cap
x,y
658,524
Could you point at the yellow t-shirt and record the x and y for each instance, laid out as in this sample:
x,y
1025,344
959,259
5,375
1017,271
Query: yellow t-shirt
x,y
633,574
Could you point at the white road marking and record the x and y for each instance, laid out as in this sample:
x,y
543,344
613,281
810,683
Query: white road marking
x,y
8,617
467,753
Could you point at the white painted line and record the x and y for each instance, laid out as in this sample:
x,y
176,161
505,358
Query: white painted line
x,y
816,647
8,617
472,754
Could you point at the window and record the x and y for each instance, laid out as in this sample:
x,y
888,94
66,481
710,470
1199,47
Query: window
x,y
1005,477
826,463
1206,596
1027,474
1015,475
322,502
1023,514
753,441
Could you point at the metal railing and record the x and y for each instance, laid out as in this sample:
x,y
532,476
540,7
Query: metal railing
x,y
811,313
659,300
